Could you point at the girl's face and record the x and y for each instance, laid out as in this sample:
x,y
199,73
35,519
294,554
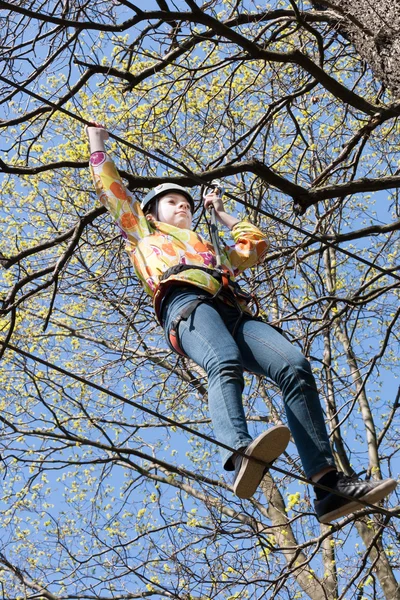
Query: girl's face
x,y
174,209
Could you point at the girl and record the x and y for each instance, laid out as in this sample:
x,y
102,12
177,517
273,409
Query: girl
x,y
207,317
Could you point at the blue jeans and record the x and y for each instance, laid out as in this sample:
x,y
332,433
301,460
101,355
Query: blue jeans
x,y
206,338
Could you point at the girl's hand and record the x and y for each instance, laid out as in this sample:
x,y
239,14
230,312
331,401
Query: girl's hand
x,y
213,199
97,135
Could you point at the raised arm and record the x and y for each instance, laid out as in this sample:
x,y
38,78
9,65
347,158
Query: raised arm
x,y
111,190
214,199
251,244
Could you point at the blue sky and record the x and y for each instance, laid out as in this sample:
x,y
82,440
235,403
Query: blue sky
x,y
178,441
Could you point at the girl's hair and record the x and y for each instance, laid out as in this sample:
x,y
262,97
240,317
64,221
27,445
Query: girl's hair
x,y
149,209
152,208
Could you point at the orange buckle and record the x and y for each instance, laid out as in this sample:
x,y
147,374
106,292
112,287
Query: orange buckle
x,y
173,338
225,277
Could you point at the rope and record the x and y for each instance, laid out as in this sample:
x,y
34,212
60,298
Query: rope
x,y
215,238
194,432
213,226
201,181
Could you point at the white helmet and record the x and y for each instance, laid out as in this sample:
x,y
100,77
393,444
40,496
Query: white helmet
x,y
161,190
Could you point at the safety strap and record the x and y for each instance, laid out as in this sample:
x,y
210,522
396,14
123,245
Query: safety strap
x,y
228,290
221,274
215,237
183,316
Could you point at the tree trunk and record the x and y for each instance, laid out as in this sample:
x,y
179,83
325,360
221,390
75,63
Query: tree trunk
x,y
286,542
382,567
340,454
374,29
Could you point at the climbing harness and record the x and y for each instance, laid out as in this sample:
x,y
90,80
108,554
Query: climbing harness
x,y
228,292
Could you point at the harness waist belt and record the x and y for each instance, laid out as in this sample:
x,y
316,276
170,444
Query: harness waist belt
x,y
222,275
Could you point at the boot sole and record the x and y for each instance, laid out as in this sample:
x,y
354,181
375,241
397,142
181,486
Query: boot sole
x,y
266,447
374,496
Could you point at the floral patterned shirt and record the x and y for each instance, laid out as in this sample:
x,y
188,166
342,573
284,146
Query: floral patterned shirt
x,y
155,247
